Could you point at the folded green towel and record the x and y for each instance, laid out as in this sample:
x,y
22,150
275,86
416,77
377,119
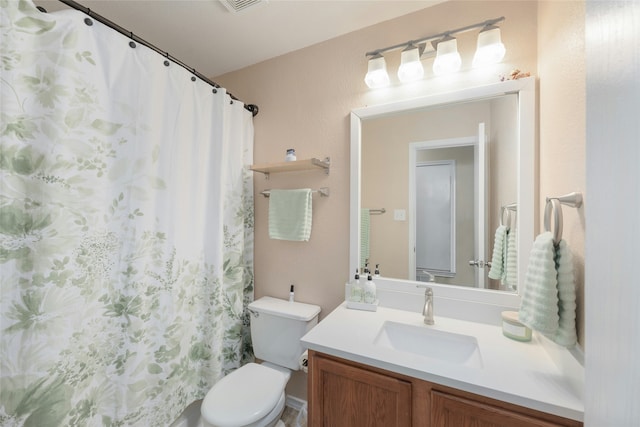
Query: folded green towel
x,y
290,214
499,248
539,305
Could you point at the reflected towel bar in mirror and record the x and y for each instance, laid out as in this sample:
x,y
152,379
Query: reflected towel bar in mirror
x,y
507,208
377,211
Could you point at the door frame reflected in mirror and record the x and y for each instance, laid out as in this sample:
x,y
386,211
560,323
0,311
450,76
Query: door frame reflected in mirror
x,y
457,254
526,200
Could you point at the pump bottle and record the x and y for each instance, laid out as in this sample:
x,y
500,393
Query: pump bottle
x,y
357,290
370,291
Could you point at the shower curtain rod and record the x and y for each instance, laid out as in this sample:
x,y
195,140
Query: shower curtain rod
x,y
251,107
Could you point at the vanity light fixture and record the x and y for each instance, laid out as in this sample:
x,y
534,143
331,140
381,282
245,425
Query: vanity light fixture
x,y
410,65
377,72
489,51
448,59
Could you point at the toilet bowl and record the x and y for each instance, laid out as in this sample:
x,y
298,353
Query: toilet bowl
x,y
254,394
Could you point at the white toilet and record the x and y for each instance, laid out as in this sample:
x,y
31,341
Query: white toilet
x,y
253,395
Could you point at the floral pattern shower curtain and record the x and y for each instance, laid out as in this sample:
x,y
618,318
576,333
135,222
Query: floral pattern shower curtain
x,y
126,227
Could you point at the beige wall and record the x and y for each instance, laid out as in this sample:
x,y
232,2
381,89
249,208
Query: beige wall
x,y
305,98
561,70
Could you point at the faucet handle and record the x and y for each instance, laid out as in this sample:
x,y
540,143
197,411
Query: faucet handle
x,y
428,291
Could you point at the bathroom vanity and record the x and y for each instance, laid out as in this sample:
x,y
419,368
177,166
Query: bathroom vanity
x,y
345,393
387,368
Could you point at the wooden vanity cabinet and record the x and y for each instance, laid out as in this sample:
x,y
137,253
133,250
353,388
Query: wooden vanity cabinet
x,y
343,393
350,396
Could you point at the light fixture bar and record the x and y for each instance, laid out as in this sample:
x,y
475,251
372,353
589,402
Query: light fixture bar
x,y
437,36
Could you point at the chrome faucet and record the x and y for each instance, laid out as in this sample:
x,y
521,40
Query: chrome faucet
x,y
427,310
430,276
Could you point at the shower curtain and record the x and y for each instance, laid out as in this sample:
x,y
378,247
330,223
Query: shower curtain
x,y
126,227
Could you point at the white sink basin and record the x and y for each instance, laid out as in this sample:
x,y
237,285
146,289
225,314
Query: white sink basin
x,y
430,343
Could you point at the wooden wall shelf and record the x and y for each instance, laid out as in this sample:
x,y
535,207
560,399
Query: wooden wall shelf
x,y
294,166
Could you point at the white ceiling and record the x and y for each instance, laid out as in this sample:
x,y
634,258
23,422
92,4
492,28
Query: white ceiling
x,y
206,36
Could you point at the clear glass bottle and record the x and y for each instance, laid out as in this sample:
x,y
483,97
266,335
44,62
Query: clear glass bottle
x,y
357,290
370,291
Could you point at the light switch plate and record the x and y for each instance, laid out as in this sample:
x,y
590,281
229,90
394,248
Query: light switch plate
x,y
399,215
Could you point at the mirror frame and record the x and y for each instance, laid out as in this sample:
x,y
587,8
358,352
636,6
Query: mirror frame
x,y
526,181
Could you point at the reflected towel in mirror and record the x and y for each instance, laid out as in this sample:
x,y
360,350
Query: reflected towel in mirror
x,y
365,218
511,259
497,271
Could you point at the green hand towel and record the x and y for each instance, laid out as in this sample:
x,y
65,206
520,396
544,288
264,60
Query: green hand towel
x,y
511,259
365,217
499,248
566,334
290,214
539,305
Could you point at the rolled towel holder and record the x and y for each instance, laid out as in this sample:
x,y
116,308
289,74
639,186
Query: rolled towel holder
x,y
554,204
507,208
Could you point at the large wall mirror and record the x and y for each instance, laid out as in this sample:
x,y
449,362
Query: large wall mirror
x,y
435,180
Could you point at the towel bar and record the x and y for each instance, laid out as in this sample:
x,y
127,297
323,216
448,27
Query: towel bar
x,y
505,222
572,199
555,204
323,191
377,211
508,208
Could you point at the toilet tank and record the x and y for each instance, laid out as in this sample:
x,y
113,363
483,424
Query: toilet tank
x,y
276,328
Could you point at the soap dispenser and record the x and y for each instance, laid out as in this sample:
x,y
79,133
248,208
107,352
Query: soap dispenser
x,y
357,290
370,291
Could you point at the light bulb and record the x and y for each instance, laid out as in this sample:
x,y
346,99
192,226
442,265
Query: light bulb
x,y
447,58
377,72
410,66
490,49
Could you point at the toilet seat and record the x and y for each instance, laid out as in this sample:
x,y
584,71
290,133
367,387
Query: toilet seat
x,y
245,396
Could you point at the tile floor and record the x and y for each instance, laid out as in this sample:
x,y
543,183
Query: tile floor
x,y
291,419
191,418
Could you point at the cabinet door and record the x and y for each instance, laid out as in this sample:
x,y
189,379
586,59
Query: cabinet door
x,y
346,396
455,411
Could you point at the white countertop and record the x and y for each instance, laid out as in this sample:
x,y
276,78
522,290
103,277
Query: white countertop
x,y
522,373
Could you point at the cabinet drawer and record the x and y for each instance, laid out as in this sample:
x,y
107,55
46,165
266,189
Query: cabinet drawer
x,y
455,411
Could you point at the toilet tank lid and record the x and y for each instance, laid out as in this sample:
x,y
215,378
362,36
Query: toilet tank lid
x,y
284,308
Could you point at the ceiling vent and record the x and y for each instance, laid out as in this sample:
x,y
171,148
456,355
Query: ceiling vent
x,y
236,6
